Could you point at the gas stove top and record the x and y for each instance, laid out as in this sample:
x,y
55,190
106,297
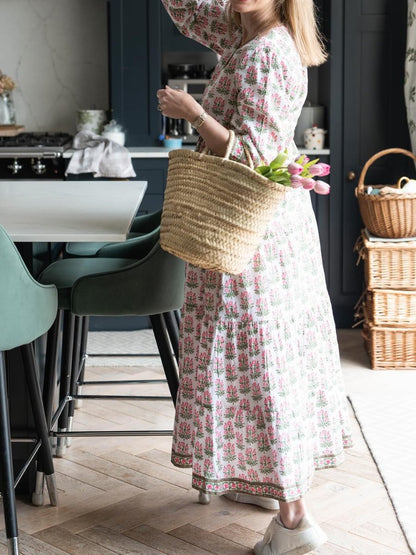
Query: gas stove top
x,y
41,145
34,155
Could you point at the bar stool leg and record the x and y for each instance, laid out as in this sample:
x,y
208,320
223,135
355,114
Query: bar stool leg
x,y
177,314
42,431
165,350
76,357
66,368
173,330
83,359
50,383
6,466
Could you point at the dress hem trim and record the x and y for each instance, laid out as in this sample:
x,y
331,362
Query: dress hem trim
x,y
263,489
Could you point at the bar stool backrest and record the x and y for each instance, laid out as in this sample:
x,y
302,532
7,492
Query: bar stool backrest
x,y
27,308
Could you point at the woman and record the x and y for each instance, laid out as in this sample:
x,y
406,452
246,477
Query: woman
x,y
261,403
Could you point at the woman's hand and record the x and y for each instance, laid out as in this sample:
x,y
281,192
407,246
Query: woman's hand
x,y
177,104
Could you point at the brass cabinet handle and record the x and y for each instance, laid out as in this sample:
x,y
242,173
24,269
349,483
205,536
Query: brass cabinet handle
x,y
351,175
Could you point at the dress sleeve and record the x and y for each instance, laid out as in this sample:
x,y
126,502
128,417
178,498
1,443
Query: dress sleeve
x,y
202,20
266,105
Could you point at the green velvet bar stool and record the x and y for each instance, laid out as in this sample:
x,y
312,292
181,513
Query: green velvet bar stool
x,y
133,248
27,311
143,224
142,280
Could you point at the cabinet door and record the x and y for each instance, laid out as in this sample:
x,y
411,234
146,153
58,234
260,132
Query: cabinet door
x,y
367,114
135,68
154,171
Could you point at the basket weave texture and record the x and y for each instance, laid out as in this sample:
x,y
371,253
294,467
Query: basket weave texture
x,y
216,210
390,348
391,215
389,307
388,265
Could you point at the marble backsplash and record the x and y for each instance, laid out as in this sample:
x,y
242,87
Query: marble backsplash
x,y
56,52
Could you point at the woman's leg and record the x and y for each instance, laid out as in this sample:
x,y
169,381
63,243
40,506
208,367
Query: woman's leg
x,y
291,513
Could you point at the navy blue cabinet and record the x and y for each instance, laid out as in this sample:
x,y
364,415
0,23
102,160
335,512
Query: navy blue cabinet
x,y
154,171
135,68
140,33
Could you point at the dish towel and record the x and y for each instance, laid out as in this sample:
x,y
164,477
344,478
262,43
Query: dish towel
x,y
99,156
410,72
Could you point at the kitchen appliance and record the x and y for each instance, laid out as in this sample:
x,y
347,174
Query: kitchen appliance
x,y
186,71
181,128
34,155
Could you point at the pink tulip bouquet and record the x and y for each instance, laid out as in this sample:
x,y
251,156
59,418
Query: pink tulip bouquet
x,y
300,173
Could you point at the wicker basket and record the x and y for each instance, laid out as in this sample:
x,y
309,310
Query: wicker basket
x,y
389,215
388,265
216,210
387,307
390,348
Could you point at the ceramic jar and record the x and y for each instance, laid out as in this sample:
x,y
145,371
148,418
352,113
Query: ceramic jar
x,y
314,138
91,120
114,132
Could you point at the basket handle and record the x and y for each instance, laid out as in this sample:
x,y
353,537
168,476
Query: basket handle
x,y
230,146
360,186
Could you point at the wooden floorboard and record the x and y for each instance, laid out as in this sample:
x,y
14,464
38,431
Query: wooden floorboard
x,y
123,496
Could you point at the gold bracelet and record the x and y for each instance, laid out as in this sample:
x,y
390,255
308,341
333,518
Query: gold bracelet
x,y
200,120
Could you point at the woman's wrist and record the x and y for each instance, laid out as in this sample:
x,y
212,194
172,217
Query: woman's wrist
x,y
199,121
194,113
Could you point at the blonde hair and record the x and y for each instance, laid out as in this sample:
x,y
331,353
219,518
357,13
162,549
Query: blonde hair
x,y
299,17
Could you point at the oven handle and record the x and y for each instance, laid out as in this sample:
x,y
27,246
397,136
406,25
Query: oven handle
x,y
16,154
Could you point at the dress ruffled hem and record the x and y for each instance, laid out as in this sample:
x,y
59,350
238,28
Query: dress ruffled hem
x,y
262,489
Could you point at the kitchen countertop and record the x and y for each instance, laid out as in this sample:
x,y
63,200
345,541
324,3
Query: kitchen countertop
x,y
162,152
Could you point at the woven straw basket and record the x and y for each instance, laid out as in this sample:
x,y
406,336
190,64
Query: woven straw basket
x,y
389,215
216,210
388,265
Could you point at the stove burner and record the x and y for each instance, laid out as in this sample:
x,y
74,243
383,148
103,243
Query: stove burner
x,y
36,140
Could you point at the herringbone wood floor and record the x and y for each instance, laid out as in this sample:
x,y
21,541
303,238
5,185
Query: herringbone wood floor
x,y
122,495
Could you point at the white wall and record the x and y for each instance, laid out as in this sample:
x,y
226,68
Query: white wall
x,y
56,52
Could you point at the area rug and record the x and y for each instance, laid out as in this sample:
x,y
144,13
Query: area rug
x,y
123,348
384,403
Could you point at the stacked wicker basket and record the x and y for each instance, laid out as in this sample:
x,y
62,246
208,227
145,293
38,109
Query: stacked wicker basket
x,y
389,300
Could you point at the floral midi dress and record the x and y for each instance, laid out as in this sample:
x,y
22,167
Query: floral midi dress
x,y
261,401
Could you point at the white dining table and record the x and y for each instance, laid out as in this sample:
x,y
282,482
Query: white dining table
x,y
61,211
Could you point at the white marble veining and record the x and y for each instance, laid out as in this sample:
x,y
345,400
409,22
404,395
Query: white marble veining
x,y
56,51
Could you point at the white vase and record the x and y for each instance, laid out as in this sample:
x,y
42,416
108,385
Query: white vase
x,y
7,110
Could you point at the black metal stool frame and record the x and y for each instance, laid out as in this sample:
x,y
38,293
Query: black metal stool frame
x,y
75,329
41,447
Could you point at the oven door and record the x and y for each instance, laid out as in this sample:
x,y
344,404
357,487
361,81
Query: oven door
x,y
31,167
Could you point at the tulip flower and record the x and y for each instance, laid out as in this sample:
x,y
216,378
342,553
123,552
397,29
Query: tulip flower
x,y
294,168
296,181
322,188
308,183
297,174
320,170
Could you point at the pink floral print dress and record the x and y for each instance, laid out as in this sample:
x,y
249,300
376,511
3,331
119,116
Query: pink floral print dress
x,y
261,402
